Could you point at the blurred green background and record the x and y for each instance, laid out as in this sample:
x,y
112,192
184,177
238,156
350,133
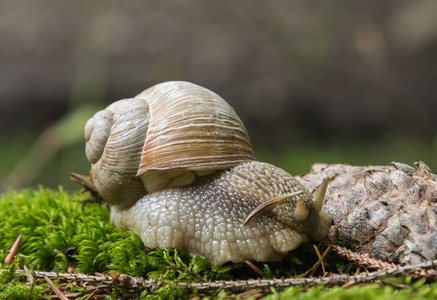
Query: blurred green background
x,y
314,81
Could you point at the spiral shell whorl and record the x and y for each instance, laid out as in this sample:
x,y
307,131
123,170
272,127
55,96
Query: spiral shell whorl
x,y
114,171
97,131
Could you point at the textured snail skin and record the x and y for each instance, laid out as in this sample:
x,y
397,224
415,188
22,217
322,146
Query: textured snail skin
x,y
206,217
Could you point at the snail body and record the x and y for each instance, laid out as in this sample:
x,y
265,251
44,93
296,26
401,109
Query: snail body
x,y
176,165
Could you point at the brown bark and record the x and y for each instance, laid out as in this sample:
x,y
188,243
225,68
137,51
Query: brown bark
x,y
389,212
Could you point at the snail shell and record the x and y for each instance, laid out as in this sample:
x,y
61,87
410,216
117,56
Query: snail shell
x,y
173,131
192,131
177,166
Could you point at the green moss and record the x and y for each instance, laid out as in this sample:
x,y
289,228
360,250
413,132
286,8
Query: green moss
x,y
419,290
54,222
59,231
51,220
12,285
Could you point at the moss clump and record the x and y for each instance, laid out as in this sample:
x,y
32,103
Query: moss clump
x,y
59,232
12,285
53,220
384,291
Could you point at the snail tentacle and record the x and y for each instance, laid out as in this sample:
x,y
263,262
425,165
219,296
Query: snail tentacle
x,y
320,195
272,203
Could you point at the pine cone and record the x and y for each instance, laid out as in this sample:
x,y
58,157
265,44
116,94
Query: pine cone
x,y
389,212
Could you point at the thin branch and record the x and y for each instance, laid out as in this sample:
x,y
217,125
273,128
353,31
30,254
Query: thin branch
x,y
255,268
32,280
364,260
313,270
136,283
55,289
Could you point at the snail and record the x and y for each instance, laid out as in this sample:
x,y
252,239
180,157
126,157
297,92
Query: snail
x,y
176,165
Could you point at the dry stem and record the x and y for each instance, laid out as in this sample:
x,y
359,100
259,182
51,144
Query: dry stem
x,y
136,283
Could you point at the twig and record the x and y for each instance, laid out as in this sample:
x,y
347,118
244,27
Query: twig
x,y
32,280
364,260
136,283
255,268
93,291
55,289
85,182
349,284
87,185
313,270
91,295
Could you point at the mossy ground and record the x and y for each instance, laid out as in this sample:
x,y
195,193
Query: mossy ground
x,y
60,232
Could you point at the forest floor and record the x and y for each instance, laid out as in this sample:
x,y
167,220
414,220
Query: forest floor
x,y
71,250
